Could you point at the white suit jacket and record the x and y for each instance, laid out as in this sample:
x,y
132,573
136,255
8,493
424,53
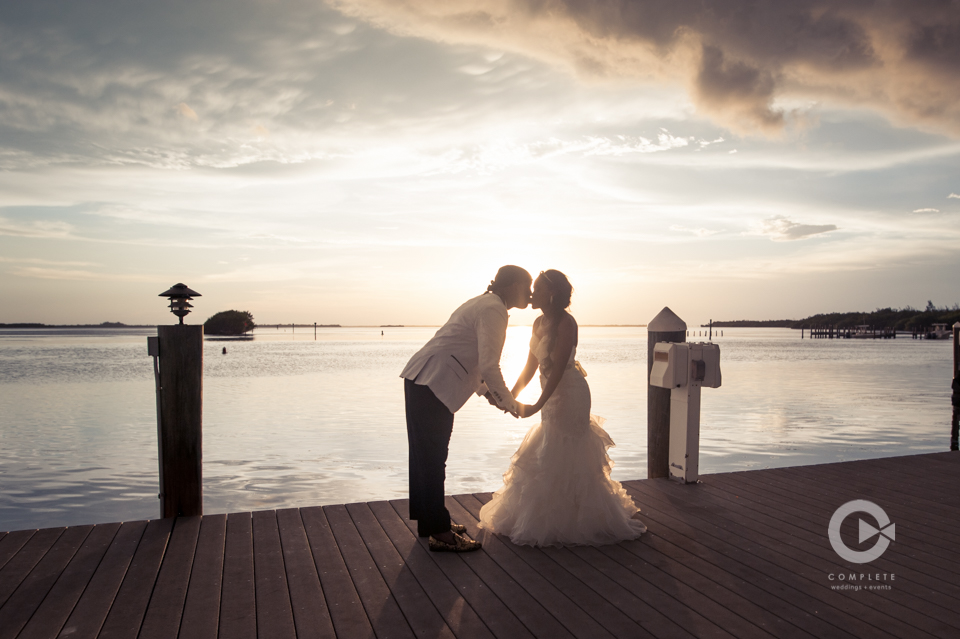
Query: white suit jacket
x,y
464,356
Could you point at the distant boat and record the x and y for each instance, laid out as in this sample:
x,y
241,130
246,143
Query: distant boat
x,y
862,331
940,331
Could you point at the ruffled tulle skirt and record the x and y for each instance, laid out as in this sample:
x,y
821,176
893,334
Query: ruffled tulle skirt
x,y
558,490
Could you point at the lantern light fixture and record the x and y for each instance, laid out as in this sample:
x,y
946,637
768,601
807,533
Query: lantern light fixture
x,y
180,296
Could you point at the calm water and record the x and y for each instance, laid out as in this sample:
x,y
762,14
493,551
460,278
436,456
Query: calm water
x,y
290,421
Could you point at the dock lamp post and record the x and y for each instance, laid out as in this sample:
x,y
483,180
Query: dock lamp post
x,y
177,352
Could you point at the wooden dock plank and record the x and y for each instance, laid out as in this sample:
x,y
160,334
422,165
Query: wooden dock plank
x,y
637,609
694,624
274,612
744,559
32,591
310,614
417,608
712,546
28,556
91,610
561,608
925,501
932,545
527,610
732,537
238,599
346,611
614,620
735,595
382,609
453,586
897,478
11,544
201,608
165,609
742,554
932,491
805,531
455,608
947,463
827,488
126,615
59,603
735,524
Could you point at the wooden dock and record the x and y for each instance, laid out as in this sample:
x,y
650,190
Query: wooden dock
x,y
741,554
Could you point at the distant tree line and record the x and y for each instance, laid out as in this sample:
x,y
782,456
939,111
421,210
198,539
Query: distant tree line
x,y
100,325
901,319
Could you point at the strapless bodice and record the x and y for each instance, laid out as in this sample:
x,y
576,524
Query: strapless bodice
x,y
541,347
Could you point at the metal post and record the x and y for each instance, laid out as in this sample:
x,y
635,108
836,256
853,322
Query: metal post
x,y
955,398
153,349
181,420
665,327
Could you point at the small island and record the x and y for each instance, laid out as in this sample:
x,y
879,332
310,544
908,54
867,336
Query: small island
x,y
229,323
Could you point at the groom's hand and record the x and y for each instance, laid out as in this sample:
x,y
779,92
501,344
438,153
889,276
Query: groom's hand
x,y
494,403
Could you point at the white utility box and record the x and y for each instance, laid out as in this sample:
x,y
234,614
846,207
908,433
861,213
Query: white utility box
x,y
685,369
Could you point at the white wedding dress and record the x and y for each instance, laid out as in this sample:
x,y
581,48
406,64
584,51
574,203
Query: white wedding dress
x,y
558,490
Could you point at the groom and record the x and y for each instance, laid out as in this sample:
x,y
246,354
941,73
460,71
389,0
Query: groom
x,y
461,359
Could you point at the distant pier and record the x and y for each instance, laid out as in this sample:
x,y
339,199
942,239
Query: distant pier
x,y
856,332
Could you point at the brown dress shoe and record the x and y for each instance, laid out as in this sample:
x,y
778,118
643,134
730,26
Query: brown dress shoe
x,y
460,544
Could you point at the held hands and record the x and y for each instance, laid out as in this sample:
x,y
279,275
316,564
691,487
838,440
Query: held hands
x,y
528,410
494,403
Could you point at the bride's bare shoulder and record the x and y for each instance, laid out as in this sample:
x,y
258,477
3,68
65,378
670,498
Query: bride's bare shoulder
x,y
537,323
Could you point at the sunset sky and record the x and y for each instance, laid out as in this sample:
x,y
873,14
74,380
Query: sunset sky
x,y
375,161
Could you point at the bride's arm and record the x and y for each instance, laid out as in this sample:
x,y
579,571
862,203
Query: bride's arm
x,y
566,340
526,374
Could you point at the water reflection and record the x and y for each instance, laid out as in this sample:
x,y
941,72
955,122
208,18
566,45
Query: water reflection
x,y
293,421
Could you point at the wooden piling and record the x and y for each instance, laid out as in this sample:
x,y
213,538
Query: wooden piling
x,y
665,327
181,412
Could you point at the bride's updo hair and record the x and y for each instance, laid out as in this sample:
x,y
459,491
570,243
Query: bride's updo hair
x,y
508,276
560,290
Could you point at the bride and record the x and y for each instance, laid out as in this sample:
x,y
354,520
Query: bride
x,y
558,490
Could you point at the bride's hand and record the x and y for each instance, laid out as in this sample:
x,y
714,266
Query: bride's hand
x,y
527,410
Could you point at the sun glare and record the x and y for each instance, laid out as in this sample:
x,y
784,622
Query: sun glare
x,y
515,350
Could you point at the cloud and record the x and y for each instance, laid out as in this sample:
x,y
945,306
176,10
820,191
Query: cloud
x,y
780,229
699,232
926,210
37,229
42,273
739,59
33,260
185,111
953,196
